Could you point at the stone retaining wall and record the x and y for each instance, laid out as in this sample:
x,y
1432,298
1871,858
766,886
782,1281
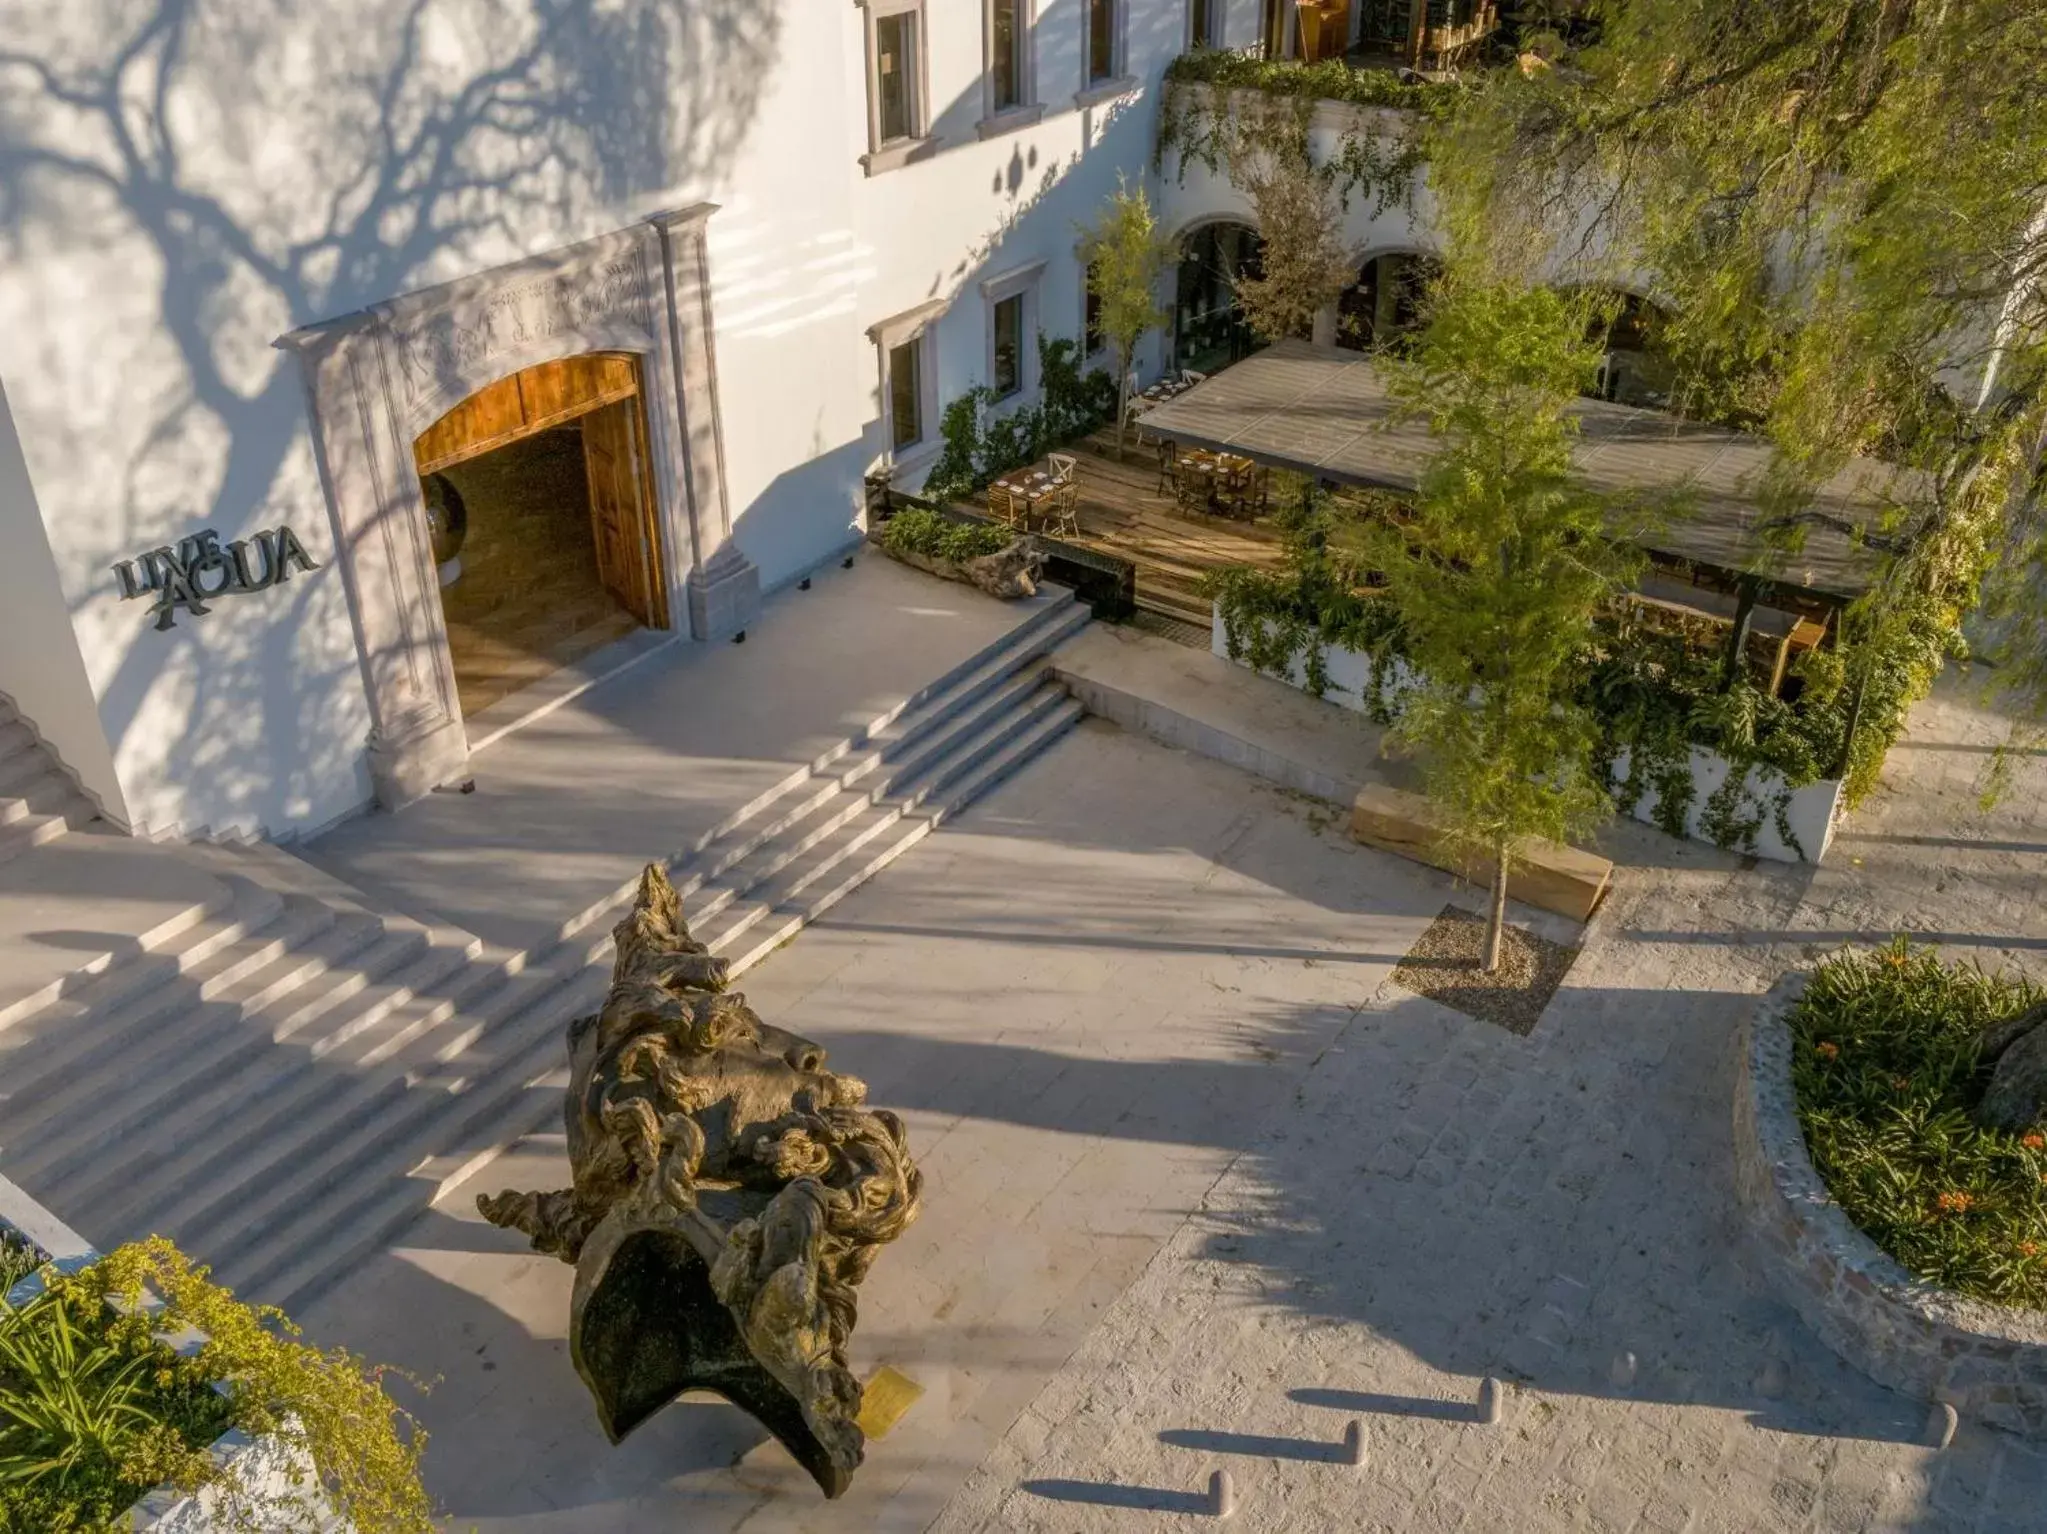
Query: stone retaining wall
x,y
1988,1361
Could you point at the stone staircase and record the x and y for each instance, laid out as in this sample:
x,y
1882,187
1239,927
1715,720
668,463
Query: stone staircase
x,y
38,800
285,1080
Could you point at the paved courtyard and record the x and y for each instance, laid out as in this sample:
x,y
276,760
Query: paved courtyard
x,y
1202,1186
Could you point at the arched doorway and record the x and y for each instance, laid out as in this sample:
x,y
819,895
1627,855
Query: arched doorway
x,y
1385,303
1208,328
541,508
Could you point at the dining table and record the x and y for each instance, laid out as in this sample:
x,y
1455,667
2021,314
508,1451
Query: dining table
x,y
1221,471
1027,487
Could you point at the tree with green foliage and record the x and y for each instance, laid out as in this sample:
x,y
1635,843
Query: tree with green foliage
x,y
1304,261
1499,574
1844,209
1126,255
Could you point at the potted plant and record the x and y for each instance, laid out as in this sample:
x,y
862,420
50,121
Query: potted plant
x,y
987,557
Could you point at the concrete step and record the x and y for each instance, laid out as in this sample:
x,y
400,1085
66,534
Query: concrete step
x,y
109,1009
17,739
29,831
310,1217
206,1045
953,786
177,1171
522,1094
47,793
117,1063
882,740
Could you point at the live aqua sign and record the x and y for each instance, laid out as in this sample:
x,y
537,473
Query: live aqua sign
x,y
199,571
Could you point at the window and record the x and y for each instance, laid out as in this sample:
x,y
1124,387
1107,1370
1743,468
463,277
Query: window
x,y
1009,85
1101,40
895,45
909,402
1091,337
906,394
1205,23
896,116
1009,342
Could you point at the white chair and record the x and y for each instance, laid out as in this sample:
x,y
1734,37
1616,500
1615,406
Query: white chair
x,y
1063,466
1189,378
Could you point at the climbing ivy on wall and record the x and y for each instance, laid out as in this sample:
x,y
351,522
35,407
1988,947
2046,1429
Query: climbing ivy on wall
x,y
1217,109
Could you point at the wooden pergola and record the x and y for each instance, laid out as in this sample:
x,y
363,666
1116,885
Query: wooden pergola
x,y
1328,414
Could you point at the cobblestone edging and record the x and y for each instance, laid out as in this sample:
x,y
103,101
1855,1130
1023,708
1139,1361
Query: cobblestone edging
x,y
1988,1361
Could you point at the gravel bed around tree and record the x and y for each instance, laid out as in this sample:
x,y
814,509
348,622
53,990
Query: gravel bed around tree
x,y
1444,965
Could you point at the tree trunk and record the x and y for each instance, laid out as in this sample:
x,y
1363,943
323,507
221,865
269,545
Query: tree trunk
x,y
1497,924
1122,396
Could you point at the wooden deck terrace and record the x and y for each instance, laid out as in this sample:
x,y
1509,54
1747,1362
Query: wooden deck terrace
x,y
1124,512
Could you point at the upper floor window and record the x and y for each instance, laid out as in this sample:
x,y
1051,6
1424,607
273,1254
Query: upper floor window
x,y
897,118
1205,23
1091,338
1102,40
1005,54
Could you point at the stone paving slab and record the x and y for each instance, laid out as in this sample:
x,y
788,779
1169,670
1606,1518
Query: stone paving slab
x,y
571,806
1084,996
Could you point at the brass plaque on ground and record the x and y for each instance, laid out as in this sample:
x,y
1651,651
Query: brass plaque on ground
x,y
884,1400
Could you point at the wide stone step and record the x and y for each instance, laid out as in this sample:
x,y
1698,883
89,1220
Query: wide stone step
x,y
309,1216
952,791
858,756
28,832
110,1010
275,1102
211,1044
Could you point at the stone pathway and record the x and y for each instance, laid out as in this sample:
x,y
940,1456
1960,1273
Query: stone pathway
x,y
1204,1187
1447,1201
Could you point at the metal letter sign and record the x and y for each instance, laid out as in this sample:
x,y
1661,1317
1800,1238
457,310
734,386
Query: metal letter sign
x,y
199,570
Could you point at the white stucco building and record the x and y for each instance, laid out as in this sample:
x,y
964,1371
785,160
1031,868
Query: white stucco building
x,y
251,257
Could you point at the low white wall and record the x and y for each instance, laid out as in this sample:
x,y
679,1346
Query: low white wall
x,y
1809,816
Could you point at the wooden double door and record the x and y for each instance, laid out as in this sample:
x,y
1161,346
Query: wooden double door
x,y
601,392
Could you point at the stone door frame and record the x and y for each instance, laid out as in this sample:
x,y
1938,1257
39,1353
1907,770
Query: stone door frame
x,y
378,378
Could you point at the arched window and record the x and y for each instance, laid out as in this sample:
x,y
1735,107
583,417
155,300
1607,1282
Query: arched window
x,y
1385,303
1208,328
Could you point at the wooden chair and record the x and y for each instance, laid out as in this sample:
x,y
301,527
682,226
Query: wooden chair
x,y
1062,509
1192,489
1064,466
1005,508
1169,455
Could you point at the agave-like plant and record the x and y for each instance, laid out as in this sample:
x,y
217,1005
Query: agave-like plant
x,y
71,1403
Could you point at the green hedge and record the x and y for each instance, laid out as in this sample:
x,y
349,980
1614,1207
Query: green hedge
x,y
937,536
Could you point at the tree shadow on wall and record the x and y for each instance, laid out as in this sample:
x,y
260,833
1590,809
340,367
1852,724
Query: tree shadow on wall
x,y
257,168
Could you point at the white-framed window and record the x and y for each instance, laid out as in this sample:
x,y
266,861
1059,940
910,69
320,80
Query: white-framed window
x,y
1012,299
1205,23
898,84
1009,69
909,380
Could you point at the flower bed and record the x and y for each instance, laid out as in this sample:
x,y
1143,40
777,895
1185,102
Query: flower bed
x,y
984,556
1703,795
1891,1158
133,1394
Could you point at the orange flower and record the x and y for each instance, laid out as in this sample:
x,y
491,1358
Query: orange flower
x,y
1956,1202
1827,1049
2029,1249
1899,1083
2033,1140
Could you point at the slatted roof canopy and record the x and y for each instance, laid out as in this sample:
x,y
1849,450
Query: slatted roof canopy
x,y
1321,411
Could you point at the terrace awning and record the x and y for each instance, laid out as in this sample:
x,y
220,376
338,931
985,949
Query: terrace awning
x,y
1325,412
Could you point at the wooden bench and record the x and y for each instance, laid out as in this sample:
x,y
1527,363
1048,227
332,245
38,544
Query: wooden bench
x,y
1546,874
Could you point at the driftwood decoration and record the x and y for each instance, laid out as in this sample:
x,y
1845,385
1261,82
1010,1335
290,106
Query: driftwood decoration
x,y
1010,572
730,1194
